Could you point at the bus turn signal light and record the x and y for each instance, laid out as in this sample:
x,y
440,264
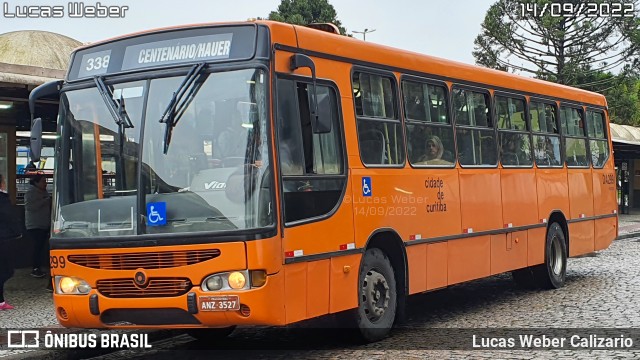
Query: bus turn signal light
x,y
258,278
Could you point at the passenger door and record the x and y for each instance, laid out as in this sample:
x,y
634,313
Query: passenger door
x,y
313,179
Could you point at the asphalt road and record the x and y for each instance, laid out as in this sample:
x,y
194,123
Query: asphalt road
x,y
602,291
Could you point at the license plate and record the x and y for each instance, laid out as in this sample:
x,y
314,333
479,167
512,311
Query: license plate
x,y
219,303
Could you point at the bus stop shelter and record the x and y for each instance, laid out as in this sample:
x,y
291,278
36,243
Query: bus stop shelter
x,y
27,60
626,153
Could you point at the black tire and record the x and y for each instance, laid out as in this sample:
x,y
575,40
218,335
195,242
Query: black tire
x,y
211,335
552,274
377,297
524,278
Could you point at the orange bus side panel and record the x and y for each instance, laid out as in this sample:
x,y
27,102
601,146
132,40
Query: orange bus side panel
x,y
480,198
469,259
322,236
580,193
604,191
417,259
437,266
553,192
605,233
344,282
519,200
423,205
508,252
265,254
318,288
536,240
442,206
581,238
295,292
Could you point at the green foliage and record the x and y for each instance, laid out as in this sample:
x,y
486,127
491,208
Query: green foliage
x,y
624,101
567,46
303,12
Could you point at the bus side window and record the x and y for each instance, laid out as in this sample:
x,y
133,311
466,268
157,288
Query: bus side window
x,y
375,101
474,128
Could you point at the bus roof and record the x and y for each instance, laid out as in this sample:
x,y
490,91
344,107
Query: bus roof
x,y
358,51
397,60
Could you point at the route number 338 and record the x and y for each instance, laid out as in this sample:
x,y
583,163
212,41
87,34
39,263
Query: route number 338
x,y
98,63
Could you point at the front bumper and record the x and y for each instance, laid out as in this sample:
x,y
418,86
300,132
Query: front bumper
x,y
94,310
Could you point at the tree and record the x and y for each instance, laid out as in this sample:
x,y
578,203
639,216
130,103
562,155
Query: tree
x,y
304,12
560,40
623,100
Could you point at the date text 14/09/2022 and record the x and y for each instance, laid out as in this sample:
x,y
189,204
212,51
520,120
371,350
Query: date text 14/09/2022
x,y
568,9
73,10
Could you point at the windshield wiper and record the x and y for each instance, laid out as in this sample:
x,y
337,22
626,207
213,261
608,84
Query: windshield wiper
x,y
116,108
180,100
119,114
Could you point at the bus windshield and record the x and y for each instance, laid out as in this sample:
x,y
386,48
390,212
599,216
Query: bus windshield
x,y
115,179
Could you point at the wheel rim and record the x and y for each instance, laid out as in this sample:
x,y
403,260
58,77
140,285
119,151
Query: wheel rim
x,y
375,295
556,256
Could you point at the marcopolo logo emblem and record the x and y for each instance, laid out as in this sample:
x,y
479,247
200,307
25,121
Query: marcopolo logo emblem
x,y
140,279
22,339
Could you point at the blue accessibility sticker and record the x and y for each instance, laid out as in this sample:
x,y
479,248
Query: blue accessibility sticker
x,y
367,190
157,214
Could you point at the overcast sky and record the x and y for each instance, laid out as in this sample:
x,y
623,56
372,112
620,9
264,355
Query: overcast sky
x,y
443,28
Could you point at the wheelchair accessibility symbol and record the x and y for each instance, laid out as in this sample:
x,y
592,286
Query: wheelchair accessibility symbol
x,y
156,214
367,190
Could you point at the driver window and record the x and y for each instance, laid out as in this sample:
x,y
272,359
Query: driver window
x,y
311,164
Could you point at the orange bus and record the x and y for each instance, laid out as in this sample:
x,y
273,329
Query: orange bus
x,y
261,173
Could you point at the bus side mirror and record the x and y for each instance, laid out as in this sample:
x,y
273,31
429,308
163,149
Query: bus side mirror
x,y
36,139
320,123
49,89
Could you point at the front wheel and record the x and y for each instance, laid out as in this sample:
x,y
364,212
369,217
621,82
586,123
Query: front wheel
x,y
377,296
552,274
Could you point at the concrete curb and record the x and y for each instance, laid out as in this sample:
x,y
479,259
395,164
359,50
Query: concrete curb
x,y
628,235
73,354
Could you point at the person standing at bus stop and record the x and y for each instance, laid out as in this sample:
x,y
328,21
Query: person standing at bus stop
x,y
9,231
37,203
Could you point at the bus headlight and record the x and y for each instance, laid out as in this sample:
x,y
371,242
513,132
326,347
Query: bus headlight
x,y
69,285
233,280
214,283
237,280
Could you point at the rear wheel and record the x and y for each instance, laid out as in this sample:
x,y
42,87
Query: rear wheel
x,y
552,274
211,335
377,296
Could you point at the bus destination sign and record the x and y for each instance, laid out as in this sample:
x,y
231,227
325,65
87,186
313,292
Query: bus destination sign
x,y
174,51
210,44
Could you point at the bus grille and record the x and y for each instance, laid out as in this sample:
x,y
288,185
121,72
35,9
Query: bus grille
x,y
146,260
157,287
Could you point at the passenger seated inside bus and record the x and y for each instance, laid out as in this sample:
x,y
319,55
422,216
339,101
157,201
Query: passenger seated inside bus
x,y
434,151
